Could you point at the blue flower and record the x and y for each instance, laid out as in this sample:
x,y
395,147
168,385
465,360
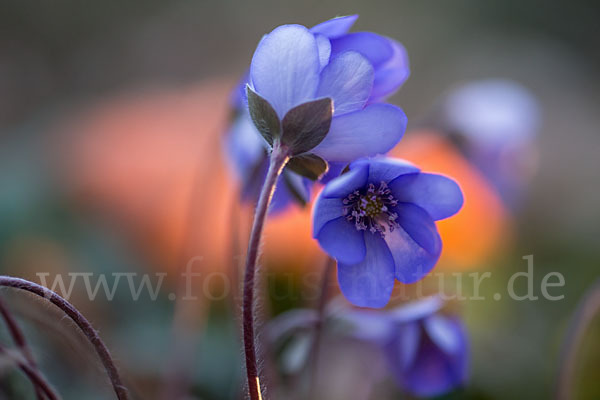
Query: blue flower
x,y
494,123
426,351
377,221
293,65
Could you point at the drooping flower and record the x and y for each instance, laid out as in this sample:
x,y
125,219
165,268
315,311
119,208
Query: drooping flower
x,y
377,221
426,350
291,336
494,123
294,65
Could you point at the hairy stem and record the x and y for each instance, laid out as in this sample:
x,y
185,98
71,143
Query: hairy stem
x,y
80,321
19,339
279,157
33,374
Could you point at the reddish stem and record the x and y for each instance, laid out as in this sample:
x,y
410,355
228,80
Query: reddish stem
x,y
42,386
19,338
279,158
83,324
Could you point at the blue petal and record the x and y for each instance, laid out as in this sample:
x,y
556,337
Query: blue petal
x,y
408,337
376,48
325,210
368,283
347,183
237,99
434,372
417,310
416,245
285,67
386,169
335,170
324,46
335,27
441,197
342,241
245,147
348,80
371,131
371,326
390,75
442,332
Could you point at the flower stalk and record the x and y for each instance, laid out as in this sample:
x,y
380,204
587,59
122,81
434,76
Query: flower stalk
x,y
38,380
19,339
83,324
279,158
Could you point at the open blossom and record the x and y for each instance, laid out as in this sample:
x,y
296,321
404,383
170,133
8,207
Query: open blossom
x,y
426,350
377,221
293,65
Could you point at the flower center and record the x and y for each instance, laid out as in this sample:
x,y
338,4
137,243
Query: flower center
x,y
372,209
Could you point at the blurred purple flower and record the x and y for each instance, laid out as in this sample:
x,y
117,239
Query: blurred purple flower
x,y
495,123
293,65
427,351
377,221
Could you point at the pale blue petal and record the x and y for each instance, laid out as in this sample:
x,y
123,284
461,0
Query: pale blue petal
x,y
417,310
285,67
376,48
348,80
390,75
335,27
370,326
324,46
245,147
371,131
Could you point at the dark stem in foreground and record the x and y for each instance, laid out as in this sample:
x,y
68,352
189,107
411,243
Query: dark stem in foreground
x,y
279,158
318,330
587,309
33,374
80,321
19,339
